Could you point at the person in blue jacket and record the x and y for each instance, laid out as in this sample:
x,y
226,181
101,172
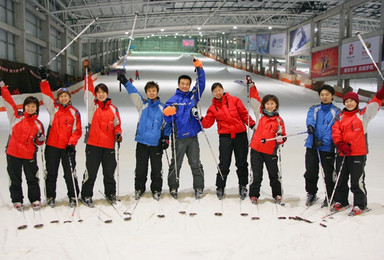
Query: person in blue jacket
x,y
179,116
319,145
152,136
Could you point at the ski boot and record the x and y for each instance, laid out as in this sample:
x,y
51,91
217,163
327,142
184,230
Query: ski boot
x,y
311,199
355,211
72,202
36,205
112,199
156,195
88,202
173,193
243,192
198,193
138,194
220,193
254,200
51,202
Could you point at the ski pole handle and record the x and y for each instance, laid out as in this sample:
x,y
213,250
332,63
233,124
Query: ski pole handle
x,y
263,140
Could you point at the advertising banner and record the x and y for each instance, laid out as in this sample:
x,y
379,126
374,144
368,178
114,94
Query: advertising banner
x,y
325,63
262,44
354,58
278,44
300,39
250,43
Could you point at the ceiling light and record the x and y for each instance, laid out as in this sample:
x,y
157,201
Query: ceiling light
x,y
269,27
234,27
162,29
126,32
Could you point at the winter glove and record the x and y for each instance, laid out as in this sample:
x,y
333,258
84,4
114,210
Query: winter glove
x,y
86,65
253,127
164,142
42,72
317,142
118,138
280,139
195,112
169,111
121,77
70,149
197,63
344,148
39,139
248,79
310,130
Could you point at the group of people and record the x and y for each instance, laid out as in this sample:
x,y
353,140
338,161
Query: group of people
x,y
333,135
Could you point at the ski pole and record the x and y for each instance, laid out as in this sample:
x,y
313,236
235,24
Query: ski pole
x,y
130,41
281,172
263,140
73,172
369,54
174,147
338,177
118,169
323,175
45,173
202,128
74,39
166,155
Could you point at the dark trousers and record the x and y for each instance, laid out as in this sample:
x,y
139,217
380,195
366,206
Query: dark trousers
x,y
353,166
14,168
239,146
257,162
143,154
312,170
94,156
186,146
53,156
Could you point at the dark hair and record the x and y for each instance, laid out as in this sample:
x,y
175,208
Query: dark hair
x,y
184,77
268,97
328,88
31,99
151,84
101,86
215,85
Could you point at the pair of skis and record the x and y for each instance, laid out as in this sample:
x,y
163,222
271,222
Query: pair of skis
x,y
22,220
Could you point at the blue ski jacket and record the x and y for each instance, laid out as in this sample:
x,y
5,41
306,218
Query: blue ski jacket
x,y
151,125
186,124
322,117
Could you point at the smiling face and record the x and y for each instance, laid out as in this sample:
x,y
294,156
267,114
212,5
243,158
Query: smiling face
x,y
152,93
270,105
30,108
184,85
64,98
101,95
350,104
326,97
218,92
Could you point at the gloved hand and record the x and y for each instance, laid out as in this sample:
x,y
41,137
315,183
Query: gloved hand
x,y
316,143
248,79
310,130
253,127
344,148
280,139
195,112
118,137
70,149
169,111
121,77
40,137
164,142
86,65
197,63
42,72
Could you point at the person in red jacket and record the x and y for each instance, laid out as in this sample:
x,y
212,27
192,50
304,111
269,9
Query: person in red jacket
x,y
63,133
270,125
231,117
349,133
27,132
103,130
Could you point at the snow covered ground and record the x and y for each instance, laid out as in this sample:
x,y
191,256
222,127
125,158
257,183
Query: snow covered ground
x,y
204,236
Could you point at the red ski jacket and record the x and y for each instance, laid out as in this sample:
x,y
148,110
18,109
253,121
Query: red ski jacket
x,y
64,124
103,119
351,127
230,114
267,127
26,128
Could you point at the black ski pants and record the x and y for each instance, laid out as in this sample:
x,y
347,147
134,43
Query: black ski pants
x,y
353,166
14,167
53,156
143,154
257,162
312,170
239,146
94,156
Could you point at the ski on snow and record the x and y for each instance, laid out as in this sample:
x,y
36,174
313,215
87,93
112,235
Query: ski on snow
x,y
21,220
37,219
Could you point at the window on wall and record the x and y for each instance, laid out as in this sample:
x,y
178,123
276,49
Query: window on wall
x,y
33,25
71,67
6,12
7,45
56,64
55,38
33,54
